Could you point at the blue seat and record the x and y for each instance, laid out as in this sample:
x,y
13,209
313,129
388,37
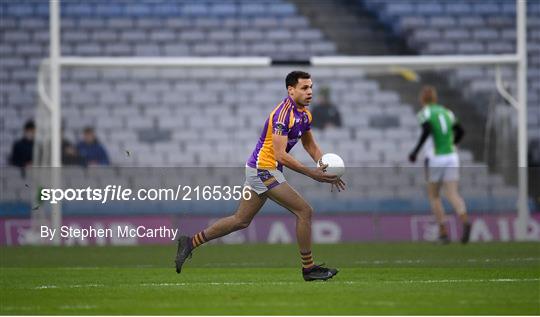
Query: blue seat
x,y
249,35
470,47
162,35
264,48
120,23
485,34
77,9
442,21
308,35
88,49
400,8
73,36
138,9
486,7
266,22
8,23
30,49
90,23
457,34
429,8
136,36
223,9
322,48
109,9
458,8
206,49
42,9
33,23
17,36
281,9
104,36
440,48
235,49
252,9
279,35
195,10
221,35
176,50
20,9
167,9
147,50
118,49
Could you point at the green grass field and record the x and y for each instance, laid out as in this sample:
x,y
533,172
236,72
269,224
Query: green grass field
x,y
376,278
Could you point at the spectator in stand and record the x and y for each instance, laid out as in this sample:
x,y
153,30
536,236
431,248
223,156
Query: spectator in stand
x,y
91,150
325,113
70,155
22,150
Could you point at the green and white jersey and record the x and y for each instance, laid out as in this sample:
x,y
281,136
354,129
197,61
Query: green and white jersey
x,y
441,121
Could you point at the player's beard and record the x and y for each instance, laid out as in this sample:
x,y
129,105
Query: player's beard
x,y
305,102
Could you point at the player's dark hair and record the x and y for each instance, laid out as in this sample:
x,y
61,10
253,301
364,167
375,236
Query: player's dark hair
x,y
88,129
292,78
29,125
428,95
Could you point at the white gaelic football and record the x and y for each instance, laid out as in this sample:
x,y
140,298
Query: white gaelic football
x,y
336,166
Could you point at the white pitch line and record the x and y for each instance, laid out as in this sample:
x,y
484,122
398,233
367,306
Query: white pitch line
x,y
417,261
85,285
45,286
78,307
68,286
8,308
500,280
493,280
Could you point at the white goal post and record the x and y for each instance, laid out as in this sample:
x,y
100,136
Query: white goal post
x,y
518,60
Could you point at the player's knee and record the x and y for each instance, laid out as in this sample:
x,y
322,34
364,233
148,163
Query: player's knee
x,y
305,213
433,196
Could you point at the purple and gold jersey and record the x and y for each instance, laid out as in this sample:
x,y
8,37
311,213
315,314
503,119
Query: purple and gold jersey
x,y
285,119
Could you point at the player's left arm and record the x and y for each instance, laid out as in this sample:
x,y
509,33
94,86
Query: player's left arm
x,y
459,132
426,130
311,147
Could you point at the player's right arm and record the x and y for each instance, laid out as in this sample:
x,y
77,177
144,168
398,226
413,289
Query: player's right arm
x,y
280,144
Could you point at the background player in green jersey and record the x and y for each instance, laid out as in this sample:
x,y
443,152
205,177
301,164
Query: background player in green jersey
x,y
442,131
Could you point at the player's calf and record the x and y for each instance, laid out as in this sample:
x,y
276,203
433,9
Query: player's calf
x,y
466,235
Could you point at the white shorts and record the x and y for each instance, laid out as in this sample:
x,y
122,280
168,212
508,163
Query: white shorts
x,y
261,180
442,168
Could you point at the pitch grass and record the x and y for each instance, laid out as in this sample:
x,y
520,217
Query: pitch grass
x,y
374,278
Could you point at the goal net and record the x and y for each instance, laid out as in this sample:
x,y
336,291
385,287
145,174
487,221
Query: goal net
x,y
164,124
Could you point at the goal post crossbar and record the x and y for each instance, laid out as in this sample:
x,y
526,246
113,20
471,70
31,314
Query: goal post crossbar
x,y
430,61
